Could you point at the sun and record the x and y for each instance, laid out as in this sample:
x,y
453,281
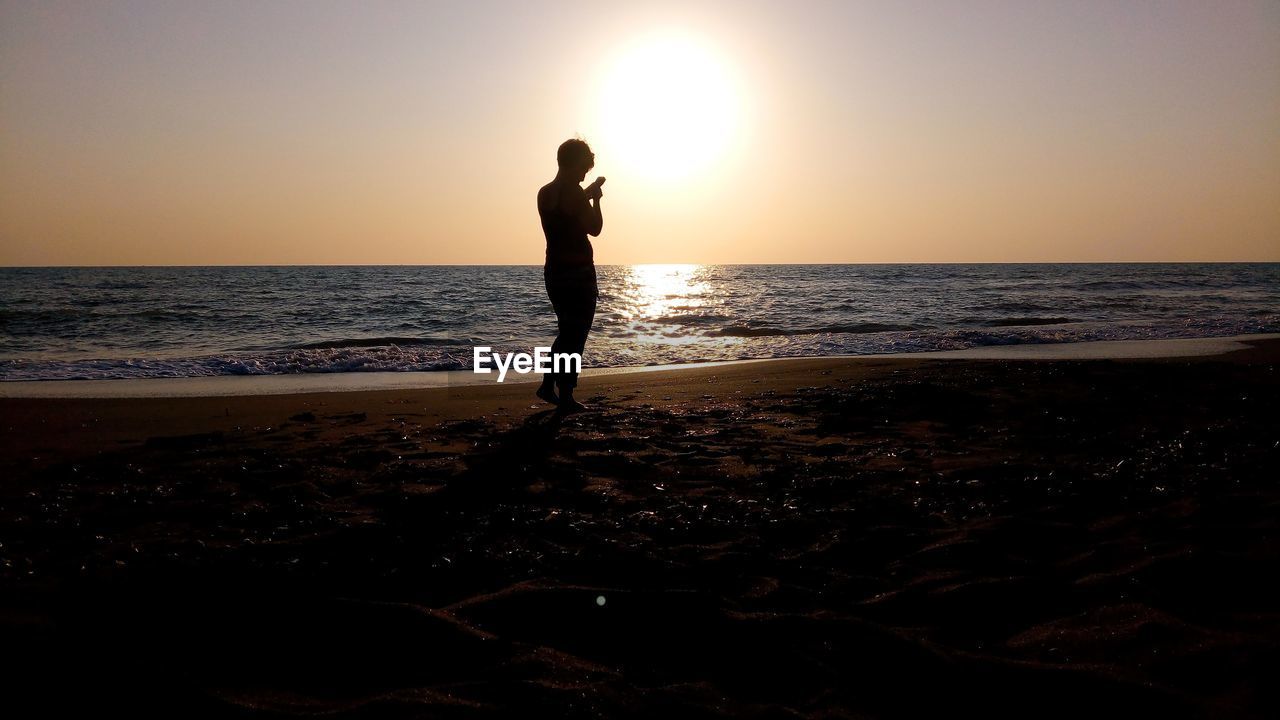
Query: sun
x,y
667,108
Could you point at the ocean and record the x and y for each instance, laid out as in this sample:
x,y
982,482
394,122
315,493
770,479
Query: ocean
x,y
146,322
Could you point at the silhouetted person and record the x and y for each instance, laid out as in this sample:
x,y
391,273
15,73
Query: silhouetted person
x,y
569,214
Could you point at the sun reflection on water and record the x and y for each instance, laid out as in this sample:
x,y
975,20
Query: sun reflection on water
x,y
650,298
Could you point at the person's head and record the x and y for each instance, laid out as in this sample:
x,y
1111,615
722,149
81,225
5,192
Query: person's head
x,y
575,158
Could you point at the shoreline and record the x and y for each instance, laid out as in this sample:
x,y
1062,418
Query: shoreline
x,y
802,537
38,429
313,383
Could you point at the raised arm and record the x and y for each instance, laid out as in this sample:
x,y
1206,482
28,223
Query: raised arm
x,y
595,221
588,213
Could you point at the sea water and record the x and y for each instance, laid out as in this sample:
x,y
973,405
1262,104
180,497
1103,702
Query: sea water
x,y
132,322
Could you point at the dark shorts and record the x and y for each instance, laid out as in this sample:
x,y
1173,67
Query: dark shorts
x,y
573,280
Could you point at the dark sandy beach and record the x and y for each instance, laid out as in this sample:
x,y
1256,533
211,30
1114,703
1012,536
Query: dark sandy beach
x,y
810,538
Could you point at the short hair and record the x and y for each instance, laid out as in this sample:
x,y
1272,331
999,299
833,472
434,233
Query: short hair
x,y
575,152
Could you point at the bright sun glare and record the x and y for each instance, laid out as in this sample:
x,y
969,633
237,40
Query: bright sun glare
x,y
668,108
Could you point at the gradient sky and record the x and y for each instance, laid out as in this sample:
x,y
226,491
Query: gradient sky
x,y
159,133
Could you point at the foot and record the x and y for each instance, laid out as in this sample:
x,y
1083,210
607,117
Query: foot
x,y
548,394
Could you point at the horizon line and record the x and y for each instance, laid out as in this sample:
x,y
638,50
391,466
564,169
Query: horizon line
x,y
743,264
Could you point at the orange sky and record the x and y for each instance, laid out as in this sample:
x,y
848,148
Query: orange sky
x,y
369,133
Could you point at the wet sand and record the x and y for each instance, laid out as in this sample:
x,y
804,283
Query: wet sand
x,y
809,538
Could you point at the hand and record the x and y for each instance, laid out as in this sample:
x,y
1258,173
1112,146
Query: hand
x,y
593,190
